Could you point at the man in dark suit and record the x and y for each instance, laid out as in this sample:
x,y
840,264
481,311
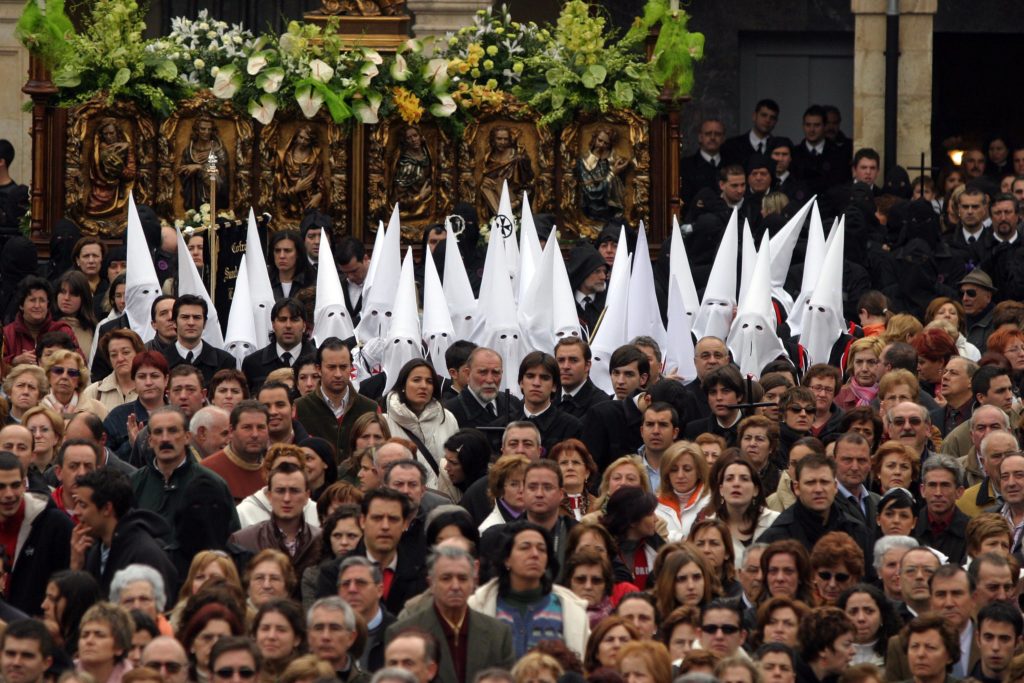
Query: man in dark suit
x,y
612,428
384,516
353,263
539,381
588,277
737,150
481,403
190,318
780,149
972,239
288,319
481,641
700,170
579,394
853,465
819,162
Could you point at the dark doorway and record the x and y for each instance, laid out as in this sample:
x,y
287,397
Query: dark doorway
x,y
975,94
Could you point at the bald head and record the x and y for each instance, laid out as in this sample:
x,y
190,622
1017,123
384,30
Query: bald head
x,y
18,439
392,452
164,653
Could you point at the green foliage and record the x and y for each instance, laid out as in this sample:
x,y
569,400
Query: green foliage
x,y
677,47
45,34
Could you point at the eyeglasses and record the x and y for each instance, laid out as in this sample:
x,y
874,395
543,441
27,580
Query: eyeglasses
x,y
727,629
801,409
914,421
243,672
969,292
170,667
840,577
60,371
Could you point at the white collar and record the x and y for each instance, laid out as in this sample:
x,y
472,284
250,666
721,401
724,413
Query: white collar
x,y
183,352
1012,240
717,159
528,414
294,351
969,235
782,177
755,141
819,147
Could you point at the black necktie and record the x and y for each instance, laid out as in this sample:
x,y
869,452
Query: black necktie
x,y
760,147
586,302
972,239
286,357
189,357
491,411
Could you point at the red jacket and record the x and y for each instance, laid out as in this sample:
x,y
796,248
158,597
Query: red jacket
x,y
18,338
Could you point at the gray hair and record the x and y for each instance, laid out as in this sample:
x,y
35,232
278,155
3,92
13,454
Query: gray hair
x,y
520,424
448,552
408,462
647,343
393,674
941,461
333,603
1002,415
998,432
139,572
925,415
205,416
753,547
696,678
360,561
887,543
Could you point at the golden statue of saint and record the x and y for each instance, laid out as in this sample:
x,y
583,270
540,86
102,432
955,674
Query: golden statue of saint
x,y
195,183
299,180
364,8
112,170
412,184
506,160
602,192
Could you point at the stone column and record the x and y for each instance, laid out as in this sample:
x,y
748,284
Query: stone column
x,y
438,17
869,74
15,123
914,111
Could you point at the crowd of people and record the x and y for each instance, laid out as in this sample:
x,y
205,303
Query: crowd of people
x,y
168,513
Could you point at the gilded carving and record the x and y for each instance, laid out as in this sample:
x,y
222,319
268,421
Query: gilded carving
x,y
364,8
110,152
606,171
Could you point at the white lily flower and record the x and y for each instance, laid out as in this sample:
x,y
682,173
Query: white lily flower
x,y
227,83
256,64
321,71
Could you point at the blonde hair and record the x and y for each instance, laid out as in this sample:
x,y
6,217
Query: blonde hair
x,y
25,369
901,327
631,460
63,355
202,560
532,662
672,455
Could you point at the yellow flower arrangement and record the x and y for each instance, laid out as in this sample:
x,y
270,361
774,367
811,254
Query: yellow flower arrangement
x,y
409,107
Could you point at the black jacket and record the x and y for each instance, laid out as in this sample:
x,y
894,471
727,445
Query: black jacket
x,y
952,541
101,363
258,364
611,430
554,424
737,149
409,581
469,413
586,398
137,540
806,527
711,426
45,550
210,360
821,172
696,174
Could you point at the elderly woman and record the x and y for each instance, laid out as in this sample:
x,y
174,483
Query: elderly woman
x,y
47,429
888,553
505,488
683,491
68,376
865,367
139,586
629,470
631,520
837,563
989,532
536,667
952,311
578,468
711,445
902,327
895,465
104,639
269,576
117,388
932,648
413,411
279,631
524,595
25,386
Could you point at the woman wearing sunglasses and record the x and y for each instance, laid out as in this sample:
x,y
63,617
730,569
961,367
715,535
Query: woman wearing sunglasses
x,y
68,375
234,658
837,563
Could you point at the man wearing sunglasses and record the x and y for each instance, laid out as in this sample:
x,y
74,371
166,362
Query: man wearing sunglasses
x,y
911,425
234,658
166,655
976,291
721,626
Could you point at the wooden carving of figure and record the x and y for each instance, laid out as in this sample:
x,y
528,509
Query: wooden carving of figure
x,y
412,185
300,173
505,160
602,193
195,183
112,169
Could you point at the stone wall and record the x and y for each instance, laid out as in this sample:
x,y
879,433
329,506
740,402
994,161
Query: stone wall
x,y
14,123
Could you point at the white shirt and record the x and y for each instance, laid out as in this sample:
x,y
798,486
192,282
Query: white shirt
x,y
355,292
580,296
962,668
1001,240
528,414
756,142
976,235
338,410
782,177
183,352
818,148
713,160
294,351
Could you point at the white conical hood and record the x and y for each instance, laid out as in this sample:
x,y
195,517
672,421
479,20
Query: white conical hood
x,y
404,339
547,310
379,296
783,244
330,317
747,259
241,339
679,268
438,333
611,327
141,284
643,317
378,244
261,292
458,292
189,282
529,249
753,340
823,321
497,322
678,352
715,314
813,257
504,224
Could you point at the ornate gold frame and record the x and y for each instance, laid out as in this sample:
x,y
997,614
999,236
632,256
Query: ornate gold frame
x,y
516,112
167,200
638,180
336,174
381,148
80,127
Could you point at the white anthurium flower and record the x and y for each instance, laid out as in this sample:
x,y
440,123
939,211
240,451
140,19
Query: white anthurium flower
x,y
413,45
270,80
373,56
264,110
400,70
309,101
321,71
445,108
436,71
367,73
366,108
227,83
256,64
